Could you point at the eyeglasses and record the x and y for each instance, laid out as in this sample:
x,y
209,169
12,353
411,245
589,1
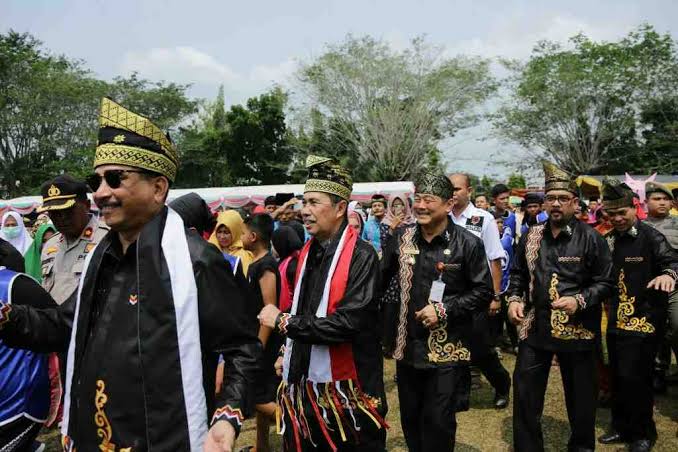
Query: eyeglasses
x,y
113,178
563,199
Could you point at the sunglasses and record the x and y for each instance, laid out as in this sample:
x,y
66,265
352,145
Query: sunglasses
x,y
113,178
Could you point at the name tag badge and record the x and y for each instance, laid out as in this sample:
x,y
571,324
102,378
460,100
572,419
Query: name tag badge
x,y
437,291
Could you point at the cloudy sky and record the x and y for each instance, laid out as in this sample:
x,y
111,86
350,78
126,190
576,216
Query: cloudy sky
x,y
249,45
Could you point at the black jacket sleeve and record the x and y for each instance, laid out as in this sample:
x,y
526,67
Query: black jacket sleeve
x,y
666,257
354,309
599,265
519,273
35,321
227,330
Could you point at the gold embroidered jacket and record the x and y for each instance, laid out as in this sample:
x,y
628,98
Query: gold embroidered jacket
x,y
639,255
409,267
577,263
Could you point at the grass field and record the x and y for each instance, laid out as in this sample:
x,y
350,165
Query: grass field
x,y
483,428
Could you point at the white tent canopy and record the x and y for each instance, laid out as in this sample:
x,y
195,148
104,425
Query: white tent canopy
x,y
233,197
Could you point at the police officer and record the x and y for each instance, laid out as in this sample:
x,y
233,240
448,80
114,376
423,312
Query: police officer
x,y
63,256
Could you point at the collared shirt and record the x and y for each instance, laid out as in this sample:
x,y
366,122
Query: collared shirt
x,y
481,224
667,226
62,262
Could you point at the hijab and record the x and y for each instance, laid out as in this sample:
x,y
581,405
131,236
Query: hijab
x,y
233,221
194,211
286,241
21,239
33,255
390,218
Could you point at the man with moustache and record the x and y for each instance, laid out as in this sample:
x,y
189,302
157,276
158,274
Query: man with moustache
x,y
332,396
155,309
63,255
561,274
485,331
436,278
646,270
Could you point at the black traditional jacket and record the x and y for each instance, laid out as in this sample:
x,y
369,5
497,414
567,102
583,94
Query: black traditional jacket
x,y
576,263
353,322
409,267
127,373
639,255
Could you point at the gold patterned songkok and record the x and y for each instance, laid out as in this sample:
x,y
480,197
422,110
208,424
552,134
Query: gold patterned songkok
x,y
558,179
126,138
326,176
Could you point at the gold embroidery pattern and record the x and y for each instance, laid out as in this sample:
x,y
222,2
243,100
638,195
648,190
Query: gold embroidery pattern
x,y
115,115
441,351
559,327
118,154
526,324
532,251
327,186
104,430
610,241
625,310
406,273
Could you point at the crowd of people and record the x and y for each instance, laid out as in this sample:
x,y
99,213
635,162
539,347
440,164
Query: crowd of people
x,y
149,325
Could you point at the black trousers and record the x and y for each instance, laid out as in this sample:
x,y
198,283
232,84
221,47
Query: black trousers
x,y
631,370
18,436
484,357
578,370
428,403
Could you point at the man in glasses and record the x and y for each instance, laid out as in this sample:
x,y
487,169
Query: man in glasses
x,y
63,256
155,309
332,397
645,272
561,274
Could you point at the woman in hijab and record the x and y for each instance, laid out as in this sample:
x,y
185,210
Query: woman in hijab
x,y
14,231
398,215
286,246
227,237
33,255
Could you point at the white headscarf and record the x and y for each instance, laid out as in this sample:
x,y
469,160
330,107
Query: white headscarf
x,y
22,241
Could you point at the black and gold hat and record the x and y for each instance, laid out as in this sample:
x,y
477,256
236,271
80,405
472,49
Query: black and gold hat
x,y
61,193
616,194
558,179
434,184
126,138
326,176
656,187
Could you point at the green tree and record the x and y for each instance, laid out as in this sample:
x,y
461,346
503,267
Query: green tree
x,y
393,107
576,106
246,145
516,181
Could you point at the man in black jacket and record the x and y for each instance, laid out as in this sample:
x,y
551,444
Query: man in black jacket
x,y
333,389
645,269
155,309
436,277
560,276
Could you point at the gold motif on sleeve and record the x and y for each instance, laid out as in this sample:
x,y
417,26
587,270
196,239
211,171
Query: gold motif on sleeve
x,y
559,327
626,309
441,351
104,430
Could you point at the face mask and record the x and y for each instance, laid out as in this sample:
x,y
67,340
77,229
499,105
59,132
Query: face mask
x,y
11,232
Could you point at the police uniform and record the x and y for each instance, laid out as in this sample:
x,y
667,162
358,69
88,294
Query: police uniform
x,y
62,262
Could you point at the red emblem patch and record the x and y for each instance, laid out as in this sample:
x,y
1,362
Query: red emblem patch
x,y
475,220
133,299
88,233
